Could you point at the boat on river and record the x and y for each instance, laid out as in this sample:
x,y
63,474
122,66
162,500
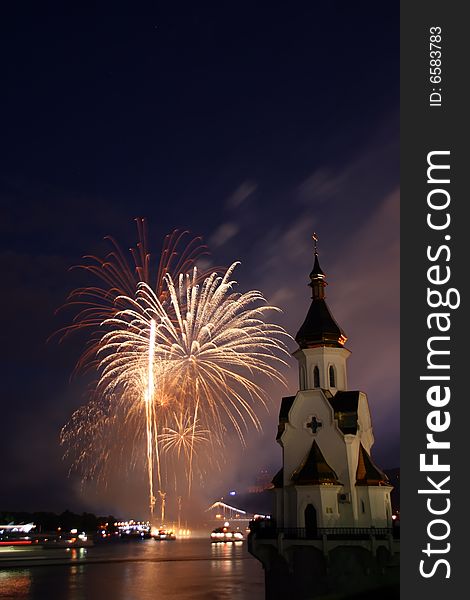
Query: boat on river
x,y
226,534
164,535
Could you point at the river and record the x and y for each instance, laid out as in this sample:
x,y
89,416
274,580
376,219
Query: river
x,y
186,569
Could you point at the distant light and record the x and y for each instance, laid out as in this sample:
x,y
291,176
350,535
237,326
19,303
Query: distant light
x,y
233,493
74,531
394,517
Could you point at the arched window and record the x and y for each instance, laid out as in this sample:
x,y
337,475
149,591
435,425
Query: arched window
x,y
331,371
303,383
316,377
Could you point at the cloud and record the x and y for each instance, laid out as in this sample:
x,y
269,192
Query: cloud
x,y
241,194
320,186
223,234
281,297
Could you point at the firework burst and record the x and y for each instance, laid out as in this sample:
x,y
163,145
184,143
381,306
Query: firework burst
x,y
183,437
176,364
118,276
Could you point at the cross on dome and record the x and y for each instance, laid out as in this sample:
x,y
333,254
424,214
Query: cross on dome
x,y
315,240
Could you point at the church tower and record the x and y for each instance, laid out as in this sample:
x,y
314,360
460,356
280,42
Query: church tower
x,y
331,527
321,355
328,478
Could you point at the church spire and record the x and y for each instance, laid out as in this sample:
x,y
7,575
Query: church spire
x,y
317,277
319,327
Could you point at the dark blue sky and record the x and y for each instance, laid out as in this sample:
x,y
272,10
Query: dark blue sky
x,y
249,123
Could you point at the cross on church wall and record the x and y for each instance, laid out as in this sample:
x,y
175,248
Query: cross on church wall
x,y
314,424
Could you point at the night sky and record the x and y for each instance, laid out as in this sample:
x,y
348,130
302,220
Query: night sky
x,y
251,124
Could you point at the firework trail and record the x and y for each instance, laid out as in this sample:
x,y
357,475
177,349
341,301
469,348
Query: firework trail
x,y
149,413
208,350
118,276
190,347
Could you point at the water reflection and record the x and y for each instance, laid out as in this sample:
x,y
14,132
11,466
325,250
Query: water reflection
x,y
227,557
15,583
226,549
193,569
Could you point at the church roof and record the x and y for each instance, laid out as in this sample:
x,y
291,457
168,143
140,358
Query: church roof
x,y
367,472
314,469
286,404
345,404
316,271
319,327
278,479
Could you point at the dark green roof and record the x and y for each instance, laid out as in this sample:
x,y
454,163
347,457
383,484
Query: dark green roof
x,y
316,271
278,479
320,328
367,472
286,404
314,469
345,406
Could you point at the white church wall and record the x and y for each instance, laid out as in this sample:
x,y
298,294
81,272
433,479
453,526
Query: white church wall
x,y
323,357
325,500
346,512
290,507
379,499
363,507
365,423
297,438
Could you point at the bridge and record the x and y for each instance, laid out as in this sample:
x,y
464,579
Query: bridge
x,y
221,512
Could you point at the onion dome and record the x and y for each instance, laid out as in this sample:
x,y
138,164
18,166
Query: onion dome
x,y
319,327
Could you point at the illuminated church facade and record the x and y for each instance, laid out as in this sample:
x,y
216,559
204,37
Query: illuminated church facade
x,y
328,478
331,528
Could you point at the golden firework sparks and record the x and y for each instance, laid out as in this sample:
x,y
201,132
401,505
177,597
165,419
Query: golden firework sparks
x,y
176,365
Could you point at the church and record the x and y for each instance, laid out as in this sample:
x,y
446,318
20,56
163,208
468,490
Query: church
x,y
328,478
331,525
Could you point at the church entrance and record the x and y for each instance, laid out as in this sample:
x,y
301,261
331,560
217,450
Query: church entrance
x,y
310,521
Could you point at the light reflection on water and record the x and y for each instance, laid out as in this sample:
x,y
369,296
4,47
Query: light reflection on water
x,y
15,584
183,569
226,557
